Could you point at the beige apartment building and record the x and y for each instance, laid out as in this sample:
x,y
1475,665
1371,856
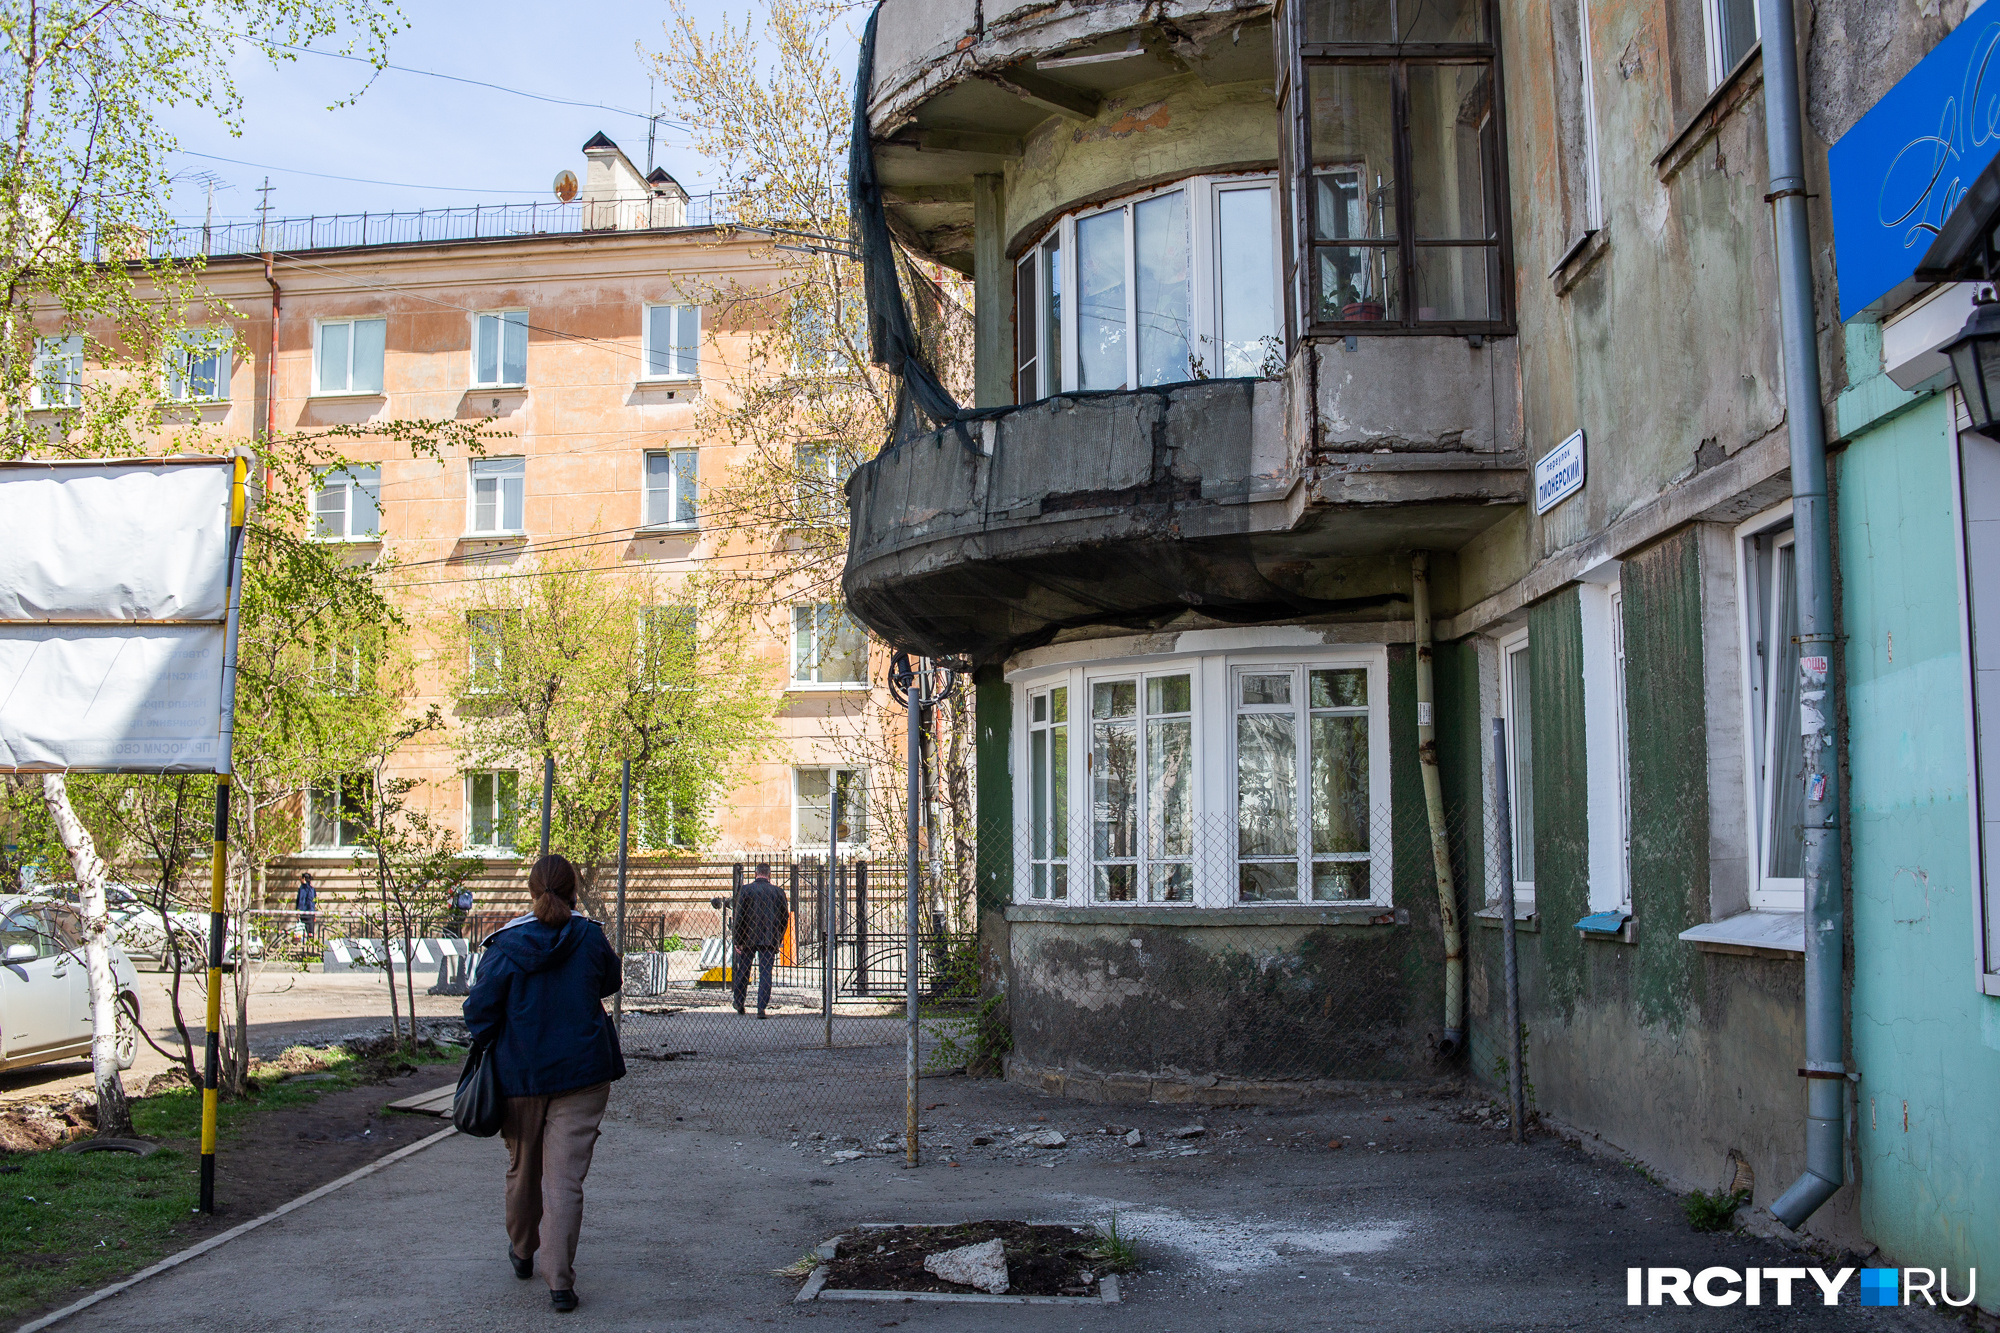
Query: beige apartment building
x,y
578,330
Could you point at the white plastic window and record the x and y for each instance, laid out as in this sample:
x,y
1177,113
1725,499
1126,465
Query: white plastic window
x,y
492,810
498,496
1732,30
500,349
1174,285
1142,789
829,647
1516,707
671,488
1775,749
198,368
58,378
348,504
337,813
486,651
1048,793
673,341
812,794
348,356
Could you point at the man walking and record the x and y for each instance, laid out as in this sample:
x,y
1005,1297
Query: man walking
x,y
306,903
761,915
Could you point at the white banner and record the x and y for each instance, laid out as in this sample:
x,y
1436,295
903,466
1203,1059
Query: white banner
x,y
74,698
115,541
93,558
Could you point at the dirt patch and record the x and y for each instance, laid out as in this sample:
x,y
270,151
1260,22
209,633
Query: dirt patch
x,y
48,1122
1041,1260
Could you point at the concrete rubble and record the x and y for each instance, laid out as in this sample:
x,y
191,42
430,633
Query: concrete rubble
x,y
982,1266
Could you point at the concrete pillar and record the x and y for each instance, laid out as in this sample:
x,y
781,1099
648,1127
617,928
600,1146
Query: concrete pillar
x,y
993,296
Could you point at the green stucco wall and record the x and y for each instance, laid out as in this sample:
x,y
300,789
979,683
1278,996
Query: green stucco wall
x,y
1927,1113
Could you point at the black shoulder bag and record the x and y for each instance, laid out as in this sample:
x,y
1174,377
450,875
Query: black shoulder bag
x,y
477,1108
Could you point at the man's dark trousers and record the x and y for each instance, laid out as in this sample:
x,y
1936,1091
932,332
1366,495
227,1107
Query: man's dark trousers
x,y
740,976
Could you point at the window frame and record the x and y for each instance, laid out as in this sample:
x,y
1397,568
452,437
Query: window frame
x,y
518,474
1714,34
792,680
672,490
338,791
485,629
675,352
858,777
502,317
1756,585
67,352
319,387
345,480
496,817
1051,833
1297,57
1519,748
1593,180
199,345
1051,258
1213,713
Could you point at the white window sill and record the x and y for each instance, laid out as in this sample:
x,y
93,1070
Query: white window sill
x,y
1524,908
495,536
498,388
333,853
368,539
494,853
667,382
179,402
1757,933
346,395
836,687
666,529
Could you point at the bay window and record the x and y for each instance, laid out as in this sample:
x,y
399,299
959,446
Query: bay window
x,y
1393,119
1208,781
1176,284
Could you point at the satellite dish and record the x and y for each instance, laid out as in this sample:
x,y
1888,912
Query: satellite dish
x,y
565,185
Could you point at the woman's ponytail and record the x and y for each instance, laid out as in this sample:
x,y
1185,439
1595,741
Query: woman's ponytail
x,y
552,887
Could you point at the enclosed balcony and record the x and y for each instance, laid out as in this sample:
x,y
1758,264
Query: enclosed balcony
x,y
1244,312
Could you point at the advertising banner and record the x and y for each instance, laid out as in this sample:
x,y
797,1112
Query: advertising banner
x,y
114,599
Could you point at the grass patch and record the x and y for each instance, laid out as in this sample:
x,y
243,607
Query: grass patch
x,y
1713,1212
1115,1253
80,1220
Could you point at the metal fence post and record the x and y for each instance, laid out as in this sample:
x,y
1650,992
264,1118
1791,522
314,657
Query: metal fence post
x,y
828,927
914,795
860,872
1510,961
624,842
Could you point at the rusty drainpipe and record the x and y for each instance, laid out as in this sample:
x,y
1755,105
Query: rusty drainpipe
x,y
271,374
1427,759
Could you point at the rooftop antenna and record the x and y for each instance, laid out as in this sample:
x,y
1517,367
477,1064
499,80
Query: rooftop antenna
x,y
652,126
210,183
264,216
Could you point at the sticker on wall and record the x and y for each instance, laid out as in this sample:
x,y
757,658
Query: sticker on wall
x,y
1559,474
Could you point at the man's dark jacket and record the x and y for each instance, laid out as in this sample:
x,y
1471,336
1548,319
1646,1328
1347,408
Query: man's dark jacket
x,y
761,913
538,995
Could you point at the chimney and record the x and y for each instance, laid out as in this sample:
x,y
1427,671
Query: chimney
x,y
668,201
614,196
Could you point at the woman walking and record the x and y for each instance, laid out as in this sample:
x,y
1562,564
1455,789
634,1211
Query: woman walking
x,y
537,1002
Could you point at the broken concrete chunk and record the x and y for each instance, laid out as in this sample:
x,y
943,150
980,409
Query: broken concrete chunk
x,y
1040,1138
982,1266
1188,1132
845,1155
1135,1140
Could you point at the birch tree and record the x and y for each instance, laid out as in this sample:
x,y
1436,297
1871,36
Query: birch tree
x,y
114,1116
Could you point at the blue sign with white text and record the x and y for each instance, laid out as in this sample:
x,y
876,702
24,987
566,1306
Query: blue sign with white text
x,y
1905,165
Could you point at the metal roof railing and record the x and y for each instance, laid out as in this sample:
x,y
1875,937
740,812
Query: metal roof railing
x,y
479,222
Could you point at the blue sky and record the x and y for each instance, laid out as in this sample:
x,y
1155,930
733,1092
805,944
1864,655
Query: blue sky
x,y
457,145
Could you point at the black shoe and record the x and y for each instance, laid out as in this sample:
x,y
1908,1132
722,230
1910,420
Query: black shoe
x,y
739,1006
760,1013
564,1301
523,1268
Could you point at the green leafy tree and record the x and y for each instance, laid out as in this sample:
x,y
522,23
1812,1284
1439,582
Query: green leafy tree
x,y
593,666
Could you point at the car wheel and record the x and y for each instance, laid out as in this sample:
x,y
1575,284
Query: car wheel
x,y
126,1040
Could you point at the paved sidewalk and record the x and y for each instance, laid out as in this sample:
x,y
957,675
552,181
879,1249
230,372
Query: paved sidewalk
x,y
1261,1229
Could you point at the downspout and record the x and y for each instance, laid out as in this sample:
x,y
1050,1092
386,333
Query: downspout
x,y
1826,1069
1427,760
271,371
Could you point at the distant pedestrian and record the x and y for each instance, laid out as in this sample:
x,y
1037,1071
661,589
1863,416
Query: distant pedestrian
x,y
538,1003
759,928
307,903
461,903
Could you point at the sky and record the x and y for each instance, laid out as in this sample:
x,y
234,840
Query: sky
x,y
421,142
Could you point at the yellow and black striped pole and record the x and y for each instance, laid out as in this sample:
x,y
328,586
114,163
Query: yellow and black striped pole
x,y
218,919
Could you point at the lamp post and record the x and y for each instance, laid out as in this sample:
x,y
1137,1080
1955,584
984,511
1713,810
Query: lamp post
x,y
917,685
1975,359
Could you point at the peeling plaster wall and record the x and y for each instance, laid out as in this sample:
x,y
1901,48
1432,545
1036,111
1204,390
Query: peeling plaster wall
x,y
1156,132
1926,1042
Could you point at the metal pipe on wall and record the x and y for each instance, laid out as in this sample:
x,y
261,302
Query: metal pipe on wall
x,y
1510,956
1826,1068
829,931
1427,760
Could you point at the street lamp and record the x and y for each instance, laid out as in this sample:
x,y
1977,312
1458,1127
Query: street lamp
x,y
1975,359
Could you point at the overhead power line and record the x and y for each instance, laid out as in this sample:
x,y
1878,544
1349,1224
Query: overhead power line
x,y
357,180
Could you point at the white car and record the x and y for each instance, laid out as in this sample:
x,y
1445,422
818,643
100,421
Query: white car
x,y
139,932
45,987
